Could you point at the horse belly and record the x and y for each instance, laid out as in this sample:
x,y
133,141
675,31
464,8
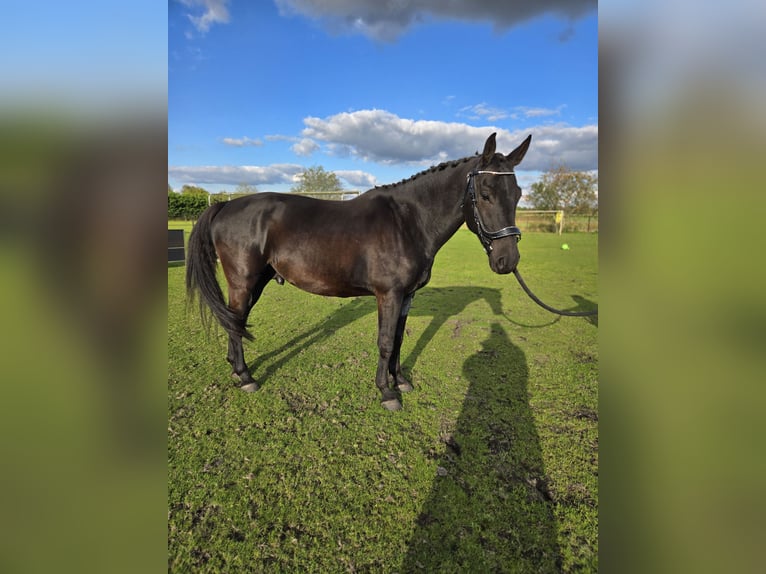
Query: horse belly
x,y
323,276
321,286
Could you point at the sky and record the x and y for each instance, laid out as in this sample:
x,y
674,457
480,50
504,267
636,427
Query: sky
x,y
375,91
82,56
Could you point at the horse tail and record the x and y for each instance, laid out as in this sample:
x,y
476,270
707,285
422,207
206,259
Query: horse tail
x,y
201,267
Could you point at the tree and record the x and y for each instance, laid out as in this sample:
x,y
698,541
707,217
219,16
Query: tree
x,y
170,189
244,189
194,190
316,179
562,188
220,196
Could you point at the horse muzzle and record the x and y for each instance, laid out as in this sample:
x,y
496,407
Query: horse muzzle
x,y
503,261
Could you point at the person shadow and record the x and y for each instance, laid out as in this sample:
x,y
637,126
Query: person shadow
x,y
489,509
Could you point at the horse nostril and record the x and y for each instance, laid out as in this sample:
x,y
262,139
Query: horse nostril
x,y
501,262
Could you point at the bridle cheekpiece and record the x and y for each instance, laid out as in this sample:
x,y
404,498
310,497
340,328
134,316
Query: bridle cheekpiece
x,y
485,236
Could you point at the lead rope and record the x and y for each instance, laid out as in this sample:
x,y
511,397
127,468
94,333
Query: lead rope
x,y
548,307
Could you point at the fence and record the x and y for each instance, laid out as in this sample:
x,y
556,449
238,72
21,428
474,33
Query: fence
x,y
556,221
176,246
335,195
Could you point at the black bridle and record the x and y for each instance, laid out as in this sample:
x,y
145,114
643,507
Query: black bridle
x,y
485,236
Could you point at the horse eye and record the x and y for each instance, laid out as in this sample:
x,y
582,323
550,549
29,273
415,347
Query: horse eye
x,y
485,196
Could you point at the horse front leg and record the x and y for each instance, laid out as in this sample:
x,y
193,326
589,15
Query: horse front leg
x,y
394,366
389,307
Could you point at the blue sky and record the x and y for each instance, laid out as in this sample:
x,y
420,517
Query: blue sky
x,y
375,91
83,56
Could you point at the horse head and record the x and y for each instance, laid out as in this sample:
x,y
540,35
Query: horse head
x,y
489,208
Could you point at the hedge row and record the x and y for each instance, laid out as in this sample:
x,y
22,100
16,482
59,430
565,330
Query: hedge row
x,y
186,206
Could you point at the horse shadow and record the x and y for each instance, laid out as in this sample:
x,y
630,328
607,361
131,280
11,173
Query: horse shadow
x,y
489,509
439,303
272,361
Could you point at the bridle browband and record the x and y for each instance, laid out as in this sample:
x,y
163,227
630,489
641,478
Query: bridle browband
x,y
485,236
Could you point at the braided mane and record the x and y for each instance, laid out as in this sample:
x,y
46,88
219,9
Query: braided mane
x,y
434,168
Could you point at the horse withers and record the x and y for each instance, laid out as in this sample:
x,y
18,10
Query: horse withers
x,y
381,243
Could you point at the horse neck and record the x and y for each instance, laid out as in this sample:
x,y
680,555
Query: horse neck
x,y
437,199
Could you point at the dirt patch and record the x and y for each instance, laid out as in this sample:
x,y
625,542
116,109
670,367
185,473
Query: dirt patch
x,y
584,357
586,413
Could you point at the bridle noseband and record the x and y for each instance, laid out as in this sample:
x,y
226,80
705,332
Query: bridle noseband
x,y
487,237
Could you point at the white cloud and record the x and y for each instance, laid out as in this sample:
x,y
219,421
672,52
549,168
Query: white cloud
x,y
305,147
388,20
483,110
357,178
280,138
235,174
214,12
379,135
301,146
242,142
576,147
383,137
275,174
538,112
493,114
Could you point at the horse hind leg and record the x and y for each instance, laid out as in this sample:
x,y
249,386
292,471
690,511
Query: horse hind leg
x,y
242,300
239,301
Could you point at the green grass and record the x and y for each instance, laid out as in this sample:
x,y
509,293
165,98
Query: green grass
x,y
491,466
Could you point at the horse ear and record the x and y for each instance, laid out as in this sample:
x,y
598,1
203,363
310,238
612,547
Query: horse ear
x,y
489,149
518,154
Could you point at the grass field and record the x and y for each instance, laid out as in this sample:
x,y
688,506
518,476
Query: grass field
x,y
491,466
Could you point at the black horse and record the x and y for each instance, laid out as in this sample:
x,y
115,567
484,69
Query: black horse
x,y
381,243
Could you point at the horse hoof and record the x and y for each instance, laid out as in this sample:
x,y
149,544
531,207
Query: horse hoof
x,y
249,387
392,405
405,387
